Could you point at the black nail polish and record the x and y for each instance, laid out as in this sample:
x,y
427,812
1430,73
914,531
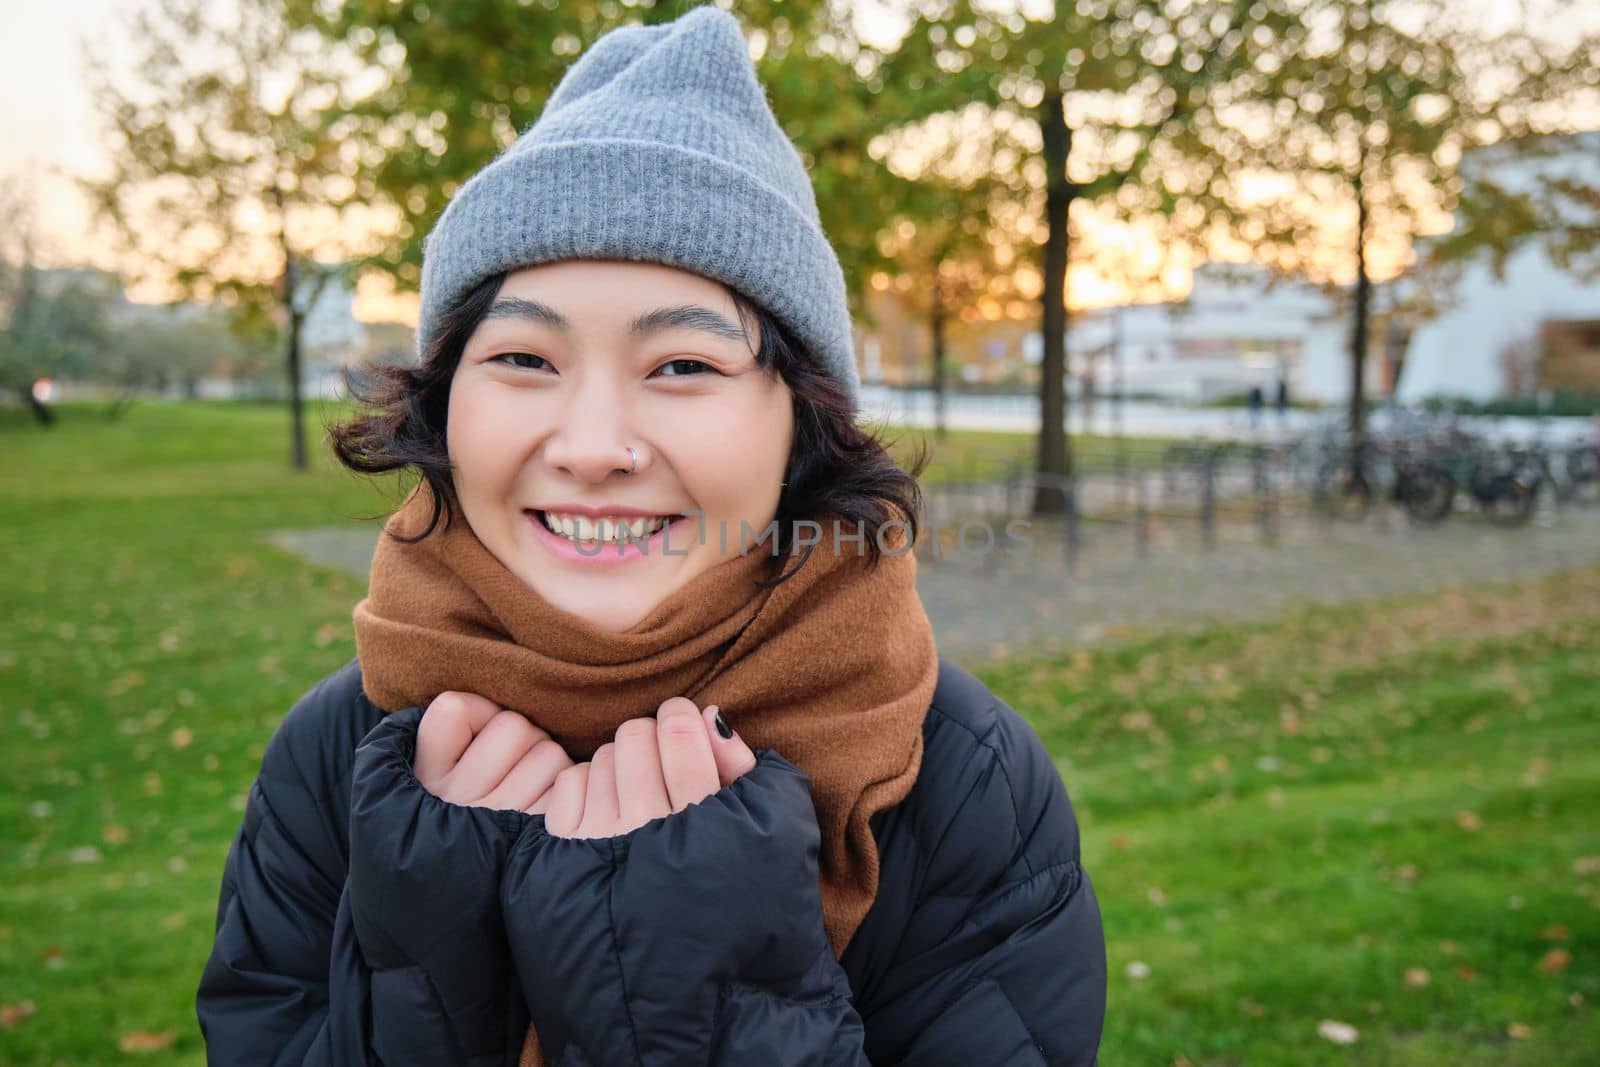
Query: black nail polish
x,y
722,725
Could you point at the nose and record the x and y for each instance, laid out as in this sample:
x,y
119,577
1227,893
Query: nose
x,y
591,438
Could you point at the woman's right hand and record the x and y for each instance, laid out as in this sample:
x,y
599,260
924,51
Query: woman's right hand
x,y
474,753
422,883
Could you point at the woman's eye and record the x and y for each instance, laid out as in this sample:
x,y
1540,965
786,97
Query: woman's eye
x,y
513,357
687,363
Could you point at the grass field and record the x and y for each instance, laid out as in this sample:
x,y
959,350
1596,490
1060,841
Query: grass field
x,y
1380,817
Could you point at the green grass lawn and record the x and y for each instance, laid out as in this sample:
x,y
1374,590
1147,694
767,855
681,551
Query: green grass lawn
x,y
1380,816
985,455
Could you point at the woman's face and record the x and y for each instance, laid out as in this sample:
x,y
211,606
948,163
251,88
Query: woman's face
x,y
574,362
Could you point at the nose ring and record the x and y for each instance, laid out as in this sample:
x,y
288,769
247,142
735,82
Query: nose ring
x,y
634,456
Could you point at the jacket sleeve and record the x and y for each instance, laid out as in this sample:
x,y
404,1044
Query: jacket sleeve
x,y
697,938
385,948
1001,957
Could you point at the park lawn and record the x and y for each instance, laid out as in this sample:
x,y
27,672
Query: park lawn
x,y
1380,815
1280,821
991,455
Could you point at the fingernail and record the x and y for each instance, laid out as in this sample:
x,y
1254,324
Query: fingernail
x,y
722,724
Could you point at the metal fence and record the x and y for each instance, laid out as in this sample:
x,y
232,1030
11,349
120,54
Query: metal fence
x,y
1198,493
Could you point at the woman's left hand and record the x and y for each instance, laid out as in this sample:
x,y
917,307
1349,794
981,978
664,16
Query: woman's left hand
x,y
656,766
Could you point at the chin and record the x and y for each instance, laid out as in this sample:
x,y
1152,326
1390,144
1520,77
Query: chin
x,y
615,610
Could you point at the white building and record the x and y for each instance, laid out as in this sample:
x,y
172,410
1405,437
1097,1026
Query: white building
x,y
1235,330
1493,324
331,338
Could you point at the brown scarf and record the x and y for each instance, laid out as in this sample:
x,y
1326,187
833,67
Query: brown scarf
x,y
833,667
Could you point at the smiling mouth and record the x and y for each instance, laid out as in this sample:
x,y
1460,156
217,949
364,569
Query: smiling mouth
x,y
655,526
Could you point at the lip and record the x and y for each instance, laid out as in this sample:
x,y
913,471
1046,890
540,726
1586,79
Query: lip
x,y
609,555
596,511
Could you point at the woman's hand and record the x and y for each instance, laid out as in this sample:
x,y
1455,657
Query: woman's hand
x,y
473,753
656,766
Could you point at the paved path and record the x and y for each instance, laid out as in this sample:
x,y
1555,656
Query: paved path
x,y
986,605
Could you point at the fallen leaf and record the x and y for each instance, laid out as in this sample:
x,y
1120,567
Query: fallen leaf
x,y
1519,1031
1555,961
1586,865
12,1014
1468,820
140,1041
1416,977
124,682
1337,1032
115,835
182,737
1465,972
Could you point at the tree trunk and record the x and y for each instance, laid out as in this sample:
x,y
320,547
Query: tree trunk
x,y
1358,336
296,415
1055,455
936,321
291,329
120,405
1087,389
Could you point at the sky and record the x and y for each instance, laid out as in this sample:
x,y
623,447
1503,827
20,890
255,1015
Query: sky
x,y
47,126
48,129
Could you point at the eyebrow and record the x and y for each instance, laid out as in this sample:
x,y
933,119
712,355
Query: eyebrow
x,y
681,316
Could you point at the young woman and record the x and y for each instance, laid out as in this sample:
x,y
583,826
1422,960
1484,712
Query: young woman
x,y
647,756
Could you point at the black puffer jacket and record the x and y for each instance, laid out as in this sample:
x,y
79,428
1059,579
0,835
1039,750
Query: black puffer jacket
x,y
364,921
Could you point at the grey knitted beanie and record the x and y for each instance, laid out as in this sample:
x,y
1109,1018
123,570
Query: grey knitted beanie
x,y
658,145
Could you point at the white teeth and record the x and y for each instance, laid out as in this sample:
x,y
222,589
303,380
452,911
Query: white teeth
x,y
583,528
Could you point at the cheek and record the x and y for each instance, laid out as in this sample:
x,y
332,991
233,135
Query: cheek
x,y
475,437
733,462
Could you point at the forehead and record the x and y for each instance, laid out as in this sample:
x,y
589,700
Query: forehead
x,y
618,301
615,289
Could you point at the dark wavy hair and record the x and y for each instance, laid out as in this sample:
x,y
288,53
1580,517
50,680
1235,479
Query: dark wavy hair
x,y
836,470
